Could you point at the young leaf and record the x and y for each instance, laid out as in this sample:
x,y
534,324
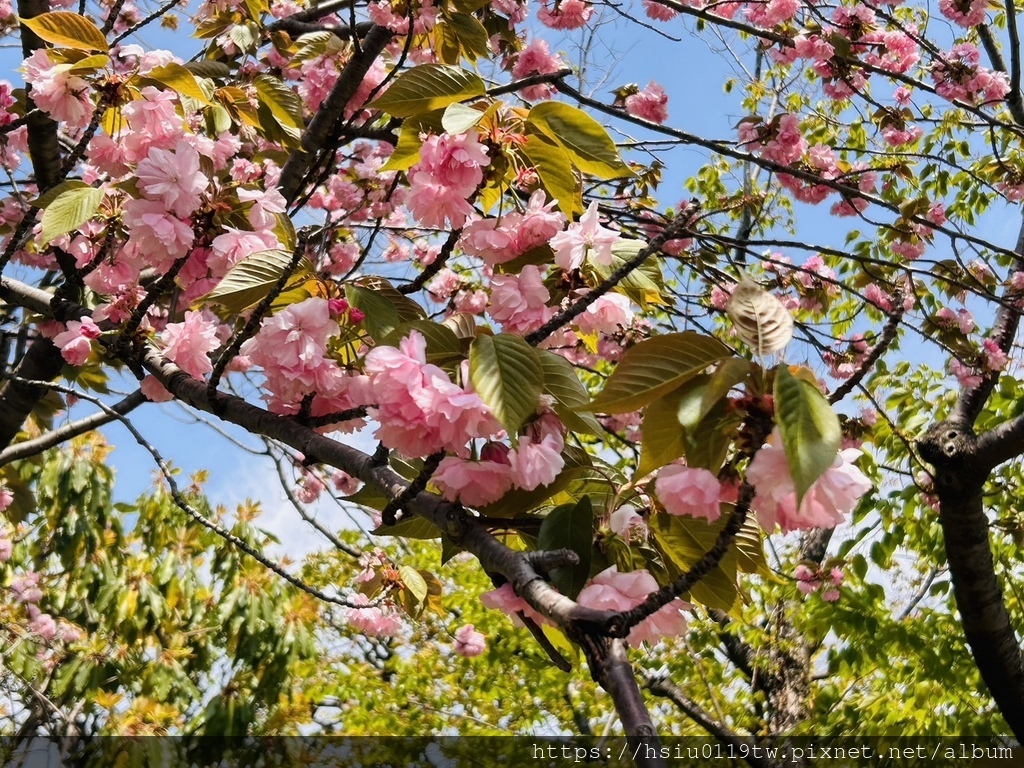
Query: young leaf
x,y
69,211
683,541
508,377
570,526
426,88
654,367
587,142
811,435
251,279
67,30
554,168
282,101
179,79
643,285
664,439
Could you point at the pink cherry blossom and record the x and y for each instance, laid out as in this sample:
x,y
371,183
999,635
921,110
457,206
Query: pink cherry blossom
x,y
995,358
75,343
584,239
614,591
971,16
827,501
627,524
659,11
173,178
608,314
6,547
26,588
519,302
505,599
536,59
650,104
56,91
156,237
967,376
377,621
419,409
469,642
566,15
473,483
537,460
41,624
689,491
189,343
539,223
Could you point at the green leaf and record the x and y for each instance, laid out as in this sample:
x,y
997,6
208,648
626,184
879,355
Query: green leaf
x,y
508,377
654,367
53,193
704,392
428,87
683,541
414,593
587,142
554,168
707,444
69,211
459,118
179,79
811,435
571,398
664,439
283,103
644,285
472,37
67,30
518,502
251,279
408,528
381,316
570,526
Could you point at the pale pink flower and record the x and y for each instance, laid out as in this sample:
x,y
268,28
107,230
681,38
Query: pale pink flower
x,y
344,483
155,391
505,599
6,547
473,483
26,588
627,524
967,376
469,642
659,11
492,240
689,491
608,314
584,239
173,178
188,344
377,621
234,245
64,96
75,343
157,238
832,495
539,223
614,591
538,459
972,16
651,103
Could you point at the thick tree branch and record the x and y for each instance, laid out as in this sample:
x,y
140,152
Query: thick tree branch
x,y
62,434
317,134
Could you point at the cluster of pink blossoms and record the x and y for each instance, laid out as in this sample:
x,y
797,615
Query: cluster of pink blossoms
x,y
469,642
58,92
536,59
827,583
609,590
566,14
966,13
650,103
499,240
689,491
584,239
446,178
958,75
291,347
519,302
827,501
535,461
779,141
419,409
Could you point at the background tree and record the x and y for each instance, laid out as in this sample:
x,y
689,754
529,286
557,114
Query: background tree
x,y
411,220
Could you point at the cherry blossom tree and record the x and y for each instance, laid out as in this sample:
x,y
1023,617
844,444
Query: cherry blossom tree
x,y
648,421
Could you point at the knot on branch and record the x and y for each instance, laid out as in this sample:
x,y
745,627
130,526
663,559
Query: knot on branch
x,y
952,449
545,561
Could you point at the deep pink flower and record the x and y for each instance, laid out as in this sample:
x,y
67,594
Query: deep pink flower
x,y
536,59
614,591
566,15
651,103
